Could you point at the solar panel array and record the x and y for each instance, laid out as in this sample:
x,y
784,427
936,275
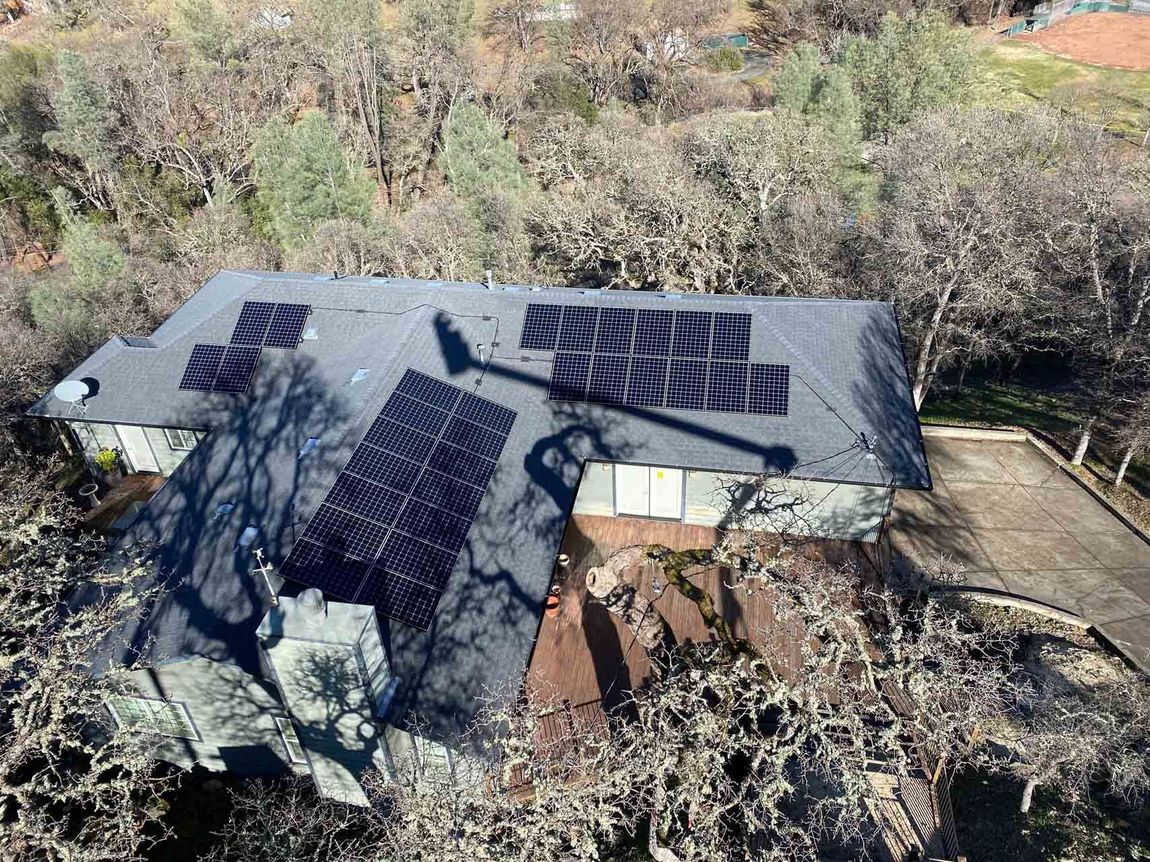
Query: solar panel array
x,y
229,367
270,324
389,530
647,357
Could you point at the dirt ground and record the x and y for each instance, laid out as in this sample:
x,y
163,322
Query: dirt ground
x,y
1117,39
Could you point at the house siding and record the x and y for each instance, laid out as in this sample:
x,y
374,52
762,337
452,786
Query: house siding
x,y
833,510
94,436
234,714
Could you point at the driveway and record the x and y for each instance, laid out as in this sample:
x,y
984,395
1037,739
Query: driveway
x,y
1022,526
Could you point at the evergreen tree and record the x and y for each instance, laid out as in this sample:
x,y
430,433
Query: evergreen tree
x,y
84,120
794,84
304,176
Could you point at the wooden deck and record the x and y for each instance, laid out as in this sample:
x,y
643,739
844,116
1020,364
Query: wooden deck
x,y
115,502
585,654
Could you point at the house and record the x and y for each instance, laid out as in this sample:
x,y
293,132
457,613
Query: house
x,y
369,481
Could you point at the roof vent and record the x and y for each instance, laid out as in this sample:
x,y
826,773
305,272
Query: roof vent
x,y
248,536
360,373
223,509
311,334
312,607
308,447
137,341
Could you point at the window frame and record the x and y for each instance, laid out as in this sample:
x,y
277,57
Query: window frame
x,y
153,722
282,722
181,431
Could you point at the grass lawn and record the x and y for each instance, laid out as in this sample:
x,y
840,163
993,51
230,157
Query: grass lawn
x,y
990,827
1016,74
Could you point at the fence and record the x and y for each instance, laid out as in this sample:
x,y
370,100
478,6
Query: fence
x,y
1046,14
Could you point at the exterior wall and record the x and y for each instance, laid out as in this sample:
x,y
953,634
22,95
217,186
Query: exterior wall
x,y
714,499
233,712
94,436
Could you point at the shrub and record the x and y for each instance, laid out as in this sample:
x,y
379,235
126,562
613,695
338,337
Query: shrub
x,y
726,58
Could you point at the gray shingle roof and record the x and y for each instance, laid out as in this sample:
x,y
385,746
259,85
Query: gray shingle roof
x,y
848,379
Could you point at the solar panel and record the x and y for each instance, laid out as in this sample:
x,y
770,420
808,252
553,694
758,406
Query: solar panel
x,y
417,560
577,330
330,571
647,381
692,336
400,598
391,527
448,494
343,531
383,468
653,332
414,414
732,336
770,389
286,326
236,369
365,499
608,379
485,413
540,327
687,384
428,390
727,387
474,438
616,329
399,439
569,373
464,466
433,525
252,325
202,367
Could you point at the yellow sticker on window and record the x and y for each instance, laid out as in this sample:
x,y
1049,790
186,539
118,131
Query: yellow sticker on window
x,y
658,474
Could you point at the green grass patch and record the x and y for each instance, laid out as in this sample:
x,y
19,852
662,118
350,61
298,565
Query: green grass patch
x,y
1016,74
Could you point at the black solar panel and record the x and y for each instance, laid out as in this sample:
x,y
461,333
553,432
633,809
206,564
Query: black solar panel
x,y
428,390
577,329
389,530
770,389
433,525
203,366
331,571
653,332
287,326
569,373
462,465
647,381
457,497
412,558
485,413
608,379
692,334
415,414
399,439
400,598
236,369
732,336
687,384
252,325
383,468
616,329
540,327
474,438
727,387
365,499
344,532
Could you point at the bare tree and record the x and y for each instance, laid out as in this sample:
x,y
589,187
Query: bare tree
x,y
601,49
1133,436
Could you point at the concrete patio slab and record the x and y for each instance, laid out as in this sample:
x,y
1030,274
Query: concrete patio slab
x,y
1024,527
966,461
1090,593
1034,550
1075,510
998,507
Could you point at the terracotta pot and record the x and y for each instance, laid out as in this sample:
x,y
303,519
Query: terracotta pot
x,y
551,606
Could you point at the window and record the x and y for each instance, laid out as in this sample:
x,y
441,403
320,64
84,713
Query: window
x,y
151,714
295,751
180,439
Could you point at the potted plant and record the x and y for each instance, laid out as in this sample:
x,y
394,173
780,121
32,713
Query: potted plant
x,y
108,463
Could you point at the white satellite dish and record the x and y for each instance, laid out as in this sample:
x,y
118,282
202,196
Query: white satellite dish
x,y
73,391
